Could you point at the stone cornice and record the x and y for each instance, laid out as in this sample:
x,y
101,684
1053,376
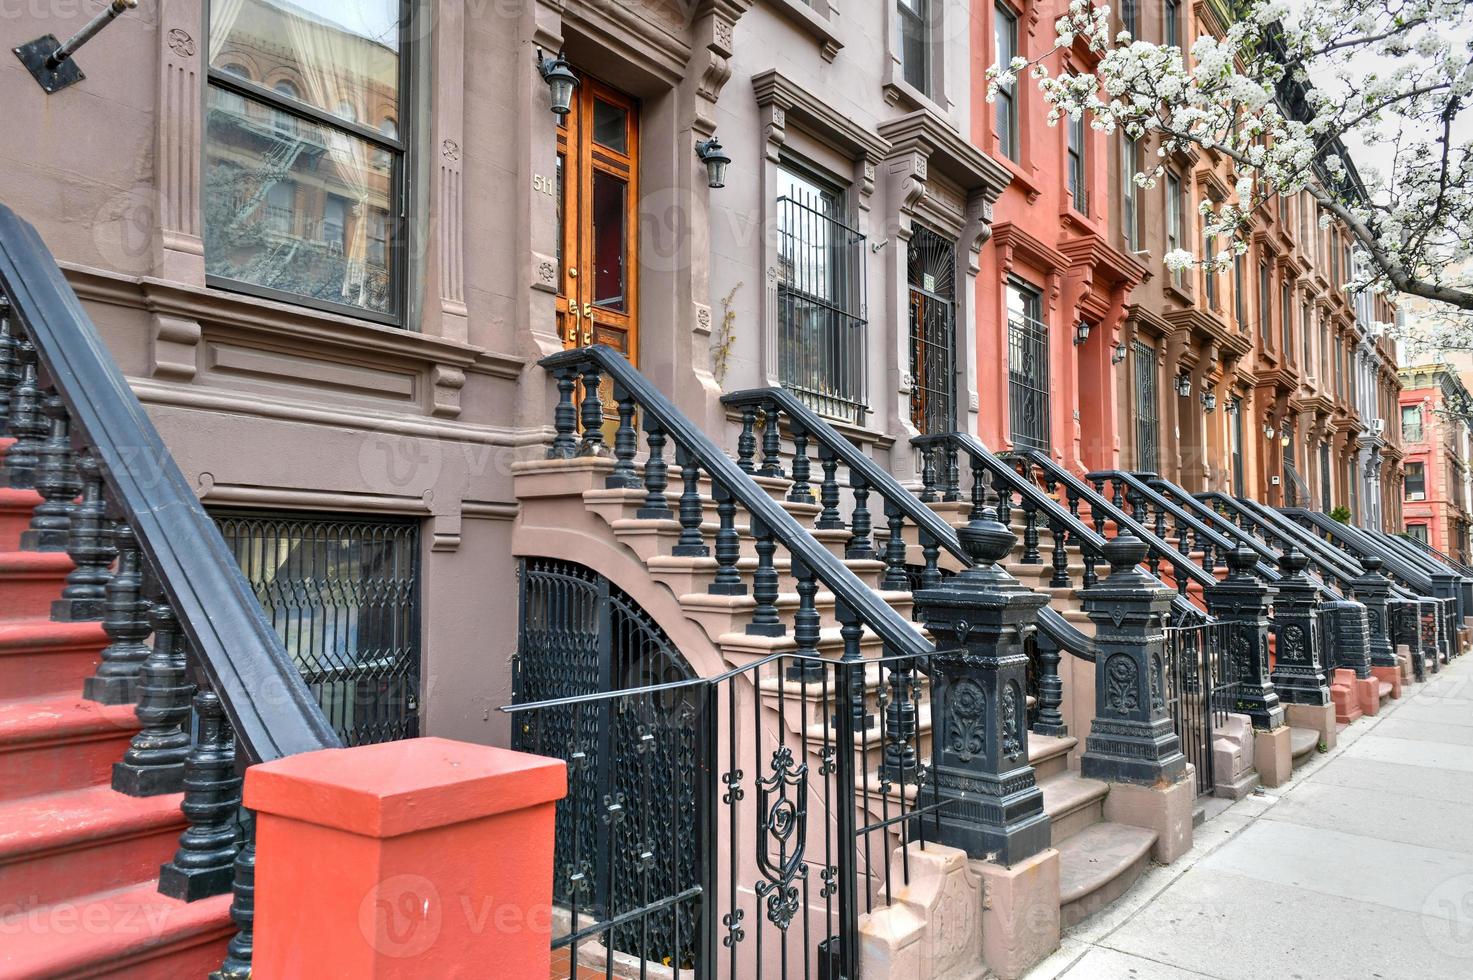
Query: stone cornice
x,y
1113,265
798,105
1015,242
945,149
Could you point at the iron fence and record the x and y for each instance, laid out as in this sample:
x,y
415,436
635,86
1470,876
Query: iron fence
x,y
343,595
1199,690
735,825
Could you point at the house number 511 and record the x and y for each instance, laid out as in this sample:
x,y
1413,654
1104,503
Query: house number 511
x,y
542,185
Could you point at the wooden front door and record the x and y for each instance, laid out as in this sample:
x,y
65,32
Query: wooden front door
x,y
598,179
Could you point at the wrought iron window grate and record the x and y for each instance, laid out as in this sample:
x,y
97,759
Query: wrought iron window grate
x,y
931,272
1028,371
820,297
343,595
1147,409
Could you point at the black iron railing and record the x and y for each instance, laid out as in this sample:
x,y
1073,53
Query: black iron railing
x,y
1332,565
217,684
798,806
1028,382
1199,692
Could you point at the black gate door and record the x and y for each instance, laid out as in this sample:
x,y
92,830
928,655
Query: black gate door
x,y
580,635
1199,692
931,272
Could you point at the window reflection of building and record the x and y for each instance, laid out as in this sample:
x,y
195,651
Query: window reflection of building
x,y
295,205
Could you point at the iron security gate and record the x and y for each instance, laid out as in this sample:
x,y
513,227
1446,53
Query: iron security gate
x,y
931,273
1147,409
713,826
343,595
1028,371
1199,692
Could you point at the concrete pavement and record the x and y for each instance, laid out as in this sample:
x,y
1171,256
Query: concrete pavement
x,y
1362,866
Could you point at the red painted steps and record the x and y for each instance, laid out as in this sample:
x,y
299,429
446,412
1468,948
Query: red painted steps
x,y
51,745
39,657
30,581
15,515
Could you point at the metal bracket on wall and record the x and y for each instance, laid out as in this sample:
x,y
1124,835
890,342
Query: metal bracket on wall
x,y
50,62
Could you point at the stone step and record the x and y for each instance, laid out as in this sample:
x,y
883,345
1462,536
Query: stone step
x,y
1098,865
1302,744
1073,803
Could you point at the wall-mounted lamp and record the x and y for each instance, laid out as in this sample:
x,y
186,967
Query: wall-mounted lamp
x,y
50,62
561,81
1184,385
1209,402
1234,406
1269,432
716,161
1081,332
1118,355
1284,439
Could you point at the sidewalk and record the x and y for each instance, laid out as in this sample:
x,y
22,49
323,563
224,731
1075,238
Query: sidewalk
x,y
1362,866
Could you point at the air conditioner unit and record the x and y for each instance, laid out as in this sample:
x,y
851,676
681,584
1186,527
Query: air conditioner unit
x,y
1378,426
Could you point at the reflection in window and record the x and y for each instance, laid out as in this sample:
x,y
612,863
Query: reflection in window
x,y
610,126
1005,48
915,43
343,60
609,236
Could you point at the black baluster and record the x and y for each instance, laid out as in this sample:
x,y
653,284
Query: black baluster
x,y
806,626
1049,719
1160,519
691,544
896,579
1031,554
90,547
1004,503
953,491
626,444
829,519
930,553
1097,514
9,360
928,473
1073,497
655,474
765,621
772,440
1091,556
55,480
154,762
899,760
747,441
801,492
26,424
564,417
979,487
860,546
1060,579
728,580
204,864
237,965
592,413
851,631
1117,494
125,621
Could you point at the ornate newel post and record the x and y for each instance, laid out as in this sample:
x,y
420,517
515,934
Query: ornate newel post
x,y
1241,602
980,619
1131,739
994,812
1298,675
1373,589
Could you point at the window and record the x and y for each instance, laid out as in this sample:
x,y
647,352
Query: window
x,y
1028,369
1308,335
1128,17
343,595
931,277
1286,318
1171,24
1265,304
280,218
1240,291
1416,481
820,296
1236,410
1209,272
331,70
1130,165
1005,45
1417,532
914,25
1147,409
1077,175
1411,423
1174,220
1325,477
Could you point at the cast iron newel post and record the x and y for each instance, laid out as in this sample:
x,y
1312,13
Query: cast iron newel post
x,y
1372,590
1131,739
980,619
1298,676
1242,601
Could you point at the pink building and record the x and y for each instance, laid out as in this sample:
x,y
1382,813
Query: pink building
x,y
1435,484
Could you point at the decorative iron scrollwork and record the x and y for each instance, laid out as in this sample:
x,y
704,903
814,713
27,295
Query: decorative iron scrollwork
x,y
1291,642
1122,685
966,723
1012,738
782,826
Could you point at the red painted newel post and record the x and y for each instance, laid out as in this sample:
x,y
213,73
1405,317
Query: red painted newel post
x,y
423,858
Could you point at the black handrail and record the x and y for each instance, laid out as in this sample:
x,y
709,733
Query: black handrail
x,y
1349,538
271,709
1161,550
1328,559
879,480
729,478
1436,554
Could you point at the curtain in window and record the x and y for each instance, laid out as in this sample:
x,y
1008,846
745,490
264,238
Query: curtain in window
x,y
223,15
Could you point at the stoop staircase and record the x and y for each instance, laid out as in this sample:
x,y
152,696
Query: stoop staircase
x,y
79,862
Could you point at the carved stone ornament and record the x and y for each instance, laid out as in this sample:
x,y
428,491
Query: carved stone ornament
x,y
180,42
450,149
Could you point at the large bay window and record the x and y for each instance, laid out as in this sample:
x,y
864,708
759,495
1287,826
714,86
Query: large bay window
x,y
302,200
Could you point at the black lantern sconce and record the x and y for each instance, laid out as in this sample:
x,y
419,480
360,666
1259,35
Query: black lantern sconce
x,y
561,81
1209,402
1081,332
1184,385
716,161
1118,355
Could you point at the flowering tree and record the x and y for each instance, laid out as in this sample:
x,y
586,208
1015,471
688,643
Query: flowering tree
x,y
1281,94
